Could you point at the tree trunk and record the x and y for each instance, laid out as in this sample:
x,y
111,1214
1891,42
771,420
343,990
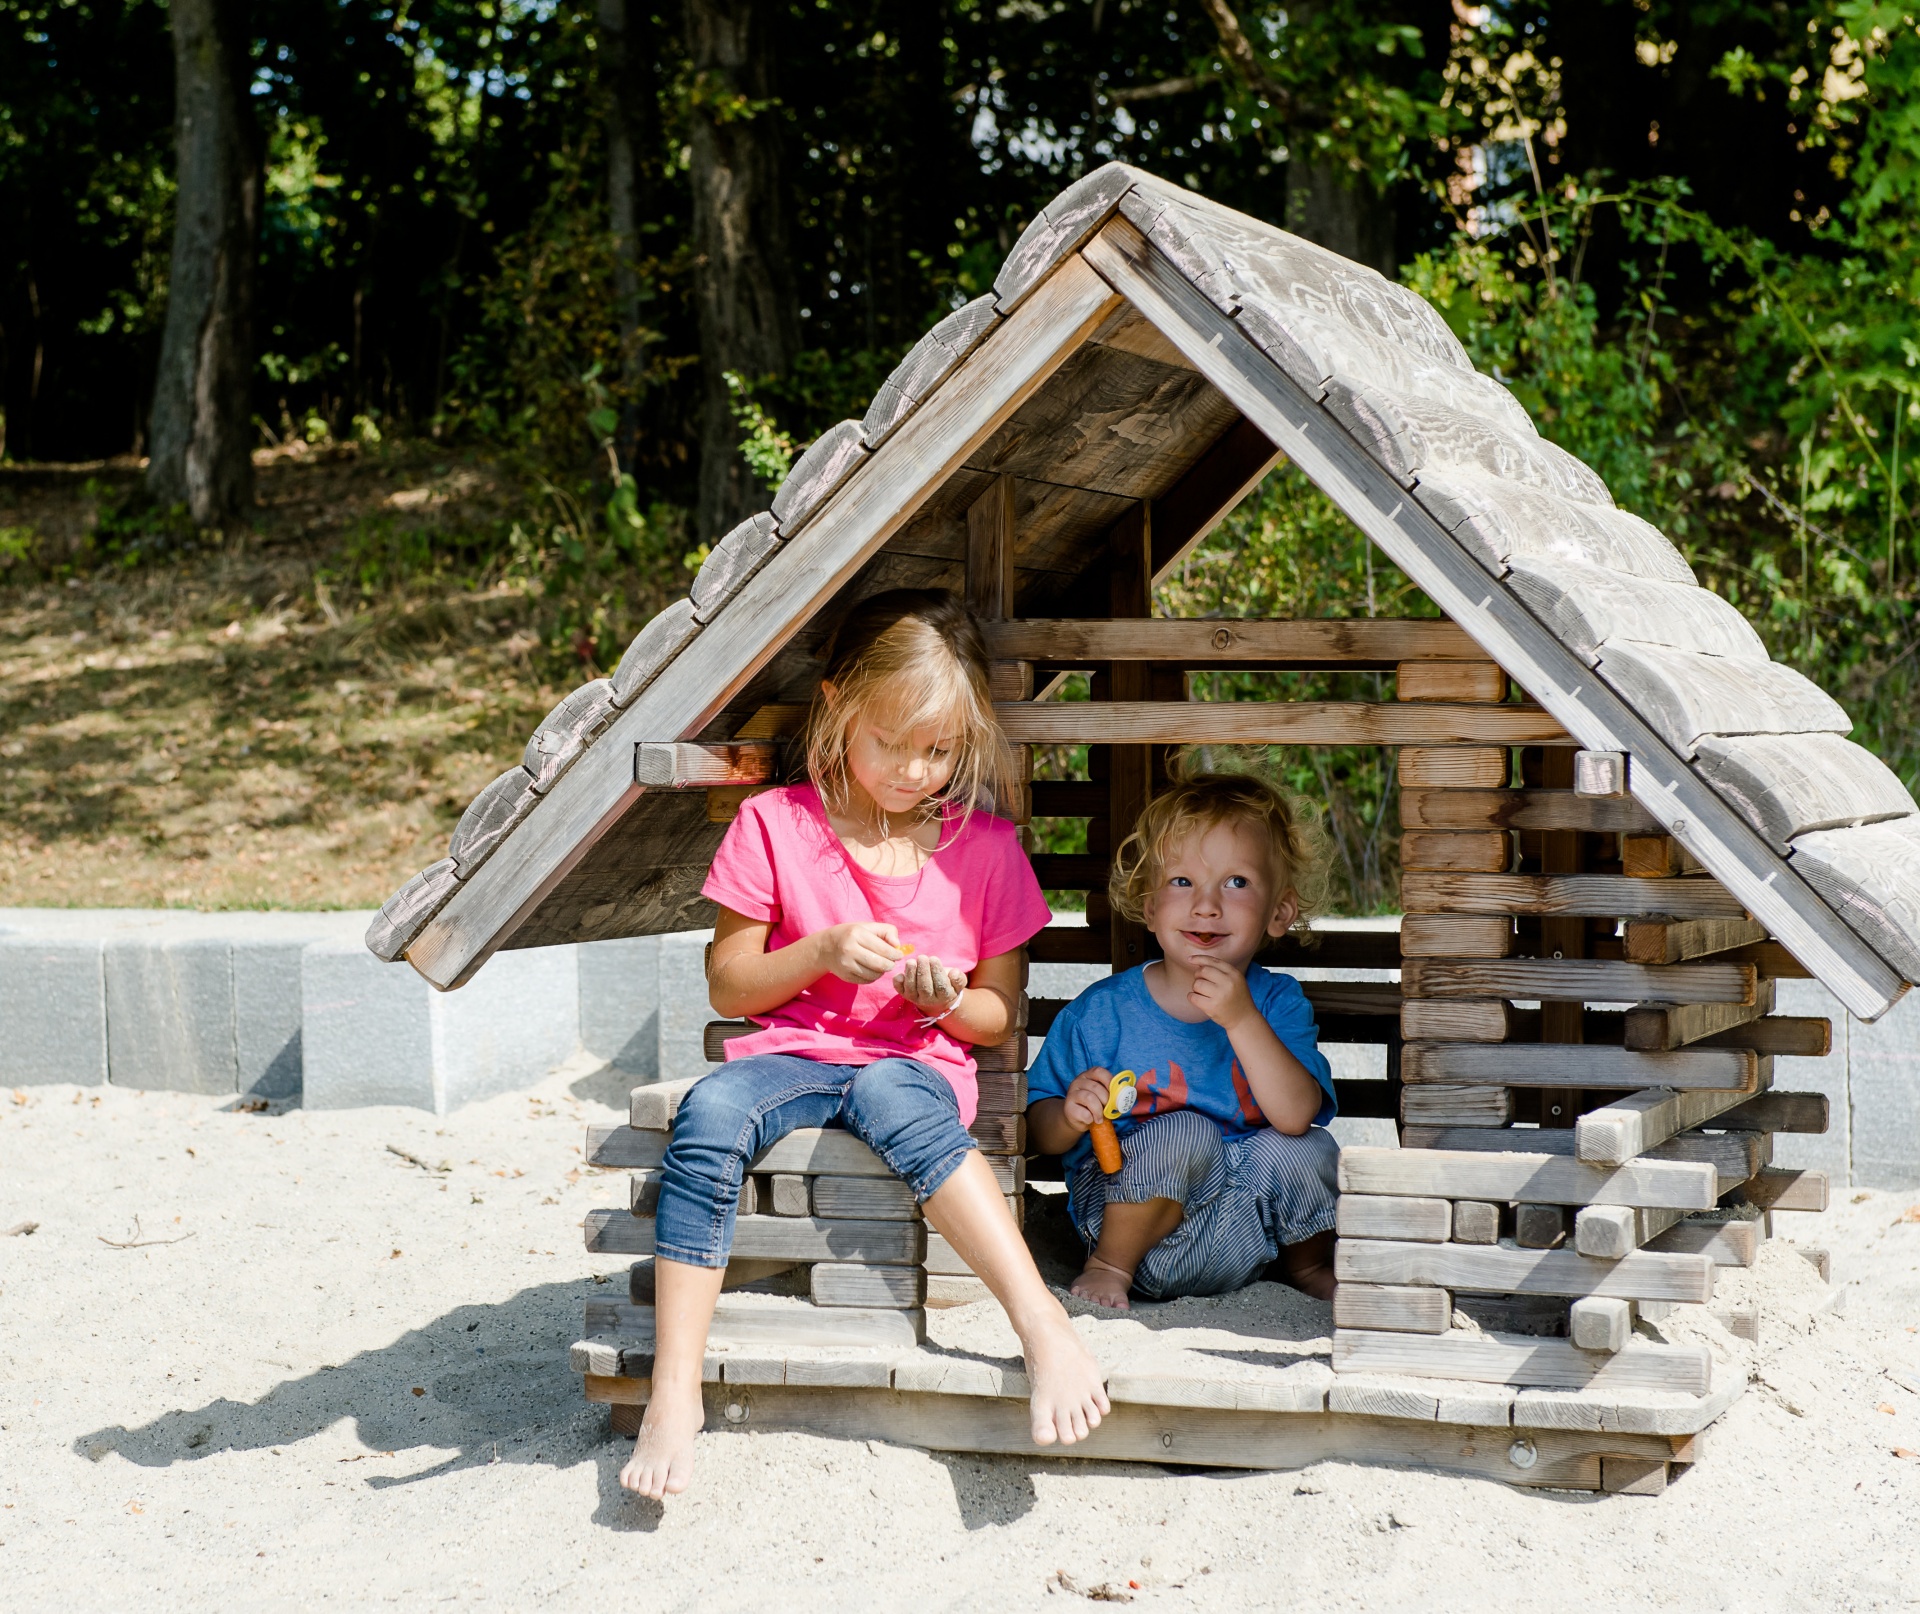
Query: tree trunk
x,y
202,426
1340,210
749,311
632,119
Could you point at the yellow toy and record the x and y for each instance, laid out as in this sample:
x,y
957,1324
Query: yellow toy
x,y
1123,1092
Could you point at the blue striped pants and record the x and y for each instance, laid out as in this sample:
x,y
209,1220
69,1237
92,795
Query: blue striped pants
x,y
1245,1197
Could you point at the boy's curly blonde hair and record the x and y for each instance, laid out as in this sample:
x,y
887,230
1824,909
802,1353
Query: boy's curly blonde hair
x,y
1195,804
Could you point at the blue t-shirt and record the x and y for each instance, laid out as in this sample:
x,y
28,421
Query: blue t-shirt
x,y
1116,1024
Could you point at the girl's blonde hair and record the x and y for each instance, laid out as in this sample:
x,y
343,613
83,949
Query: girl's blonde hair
x,y
1195,804
910,658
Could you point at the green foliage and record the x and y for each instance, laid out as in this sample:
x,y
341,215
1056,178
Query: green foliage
x,y
767,450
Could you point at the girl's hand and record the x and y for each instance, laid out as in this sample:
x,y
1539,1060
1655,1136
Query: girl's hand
x,y
859,952
1221,994
927,984
1086,1099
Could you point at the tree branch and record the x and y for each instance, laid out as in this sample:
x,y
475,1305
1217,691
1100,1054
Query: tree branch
x,y
1246,60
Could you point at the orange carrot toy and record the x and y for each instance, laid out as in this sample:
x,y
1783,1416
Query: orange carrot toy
x,y
1123,1091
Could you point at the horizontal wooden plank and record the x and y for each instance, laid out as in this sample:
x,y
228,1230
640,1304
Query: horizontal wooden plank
x,y
1449,768
1540,1178
1393,1216
1374,642
1465,680
1655,1026
1401,1308
1482,851
1201,1436
1799,1036
1456,1106
1523,809
1649,941
1506,1270
1578,980
811,1151
1521,1359
1629,1127
841,1283
763,1320
1274,723
1579,1065
1725,1244
692,764
1608,896
864,1198
1443,1020
1780,1112
1735,1156
1783,1188
1456,935
783,1238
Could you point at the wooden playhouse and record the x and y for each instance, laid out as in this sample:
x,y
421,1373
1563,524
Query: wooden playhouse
x,y
1622,824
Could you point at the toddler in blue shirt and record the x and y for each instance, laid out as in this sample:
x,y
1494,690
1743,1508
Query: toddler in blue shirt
x,y
1226,1161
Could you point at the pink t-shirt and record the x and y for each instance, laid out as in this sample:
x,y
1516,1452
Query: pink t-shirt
x,y
974,898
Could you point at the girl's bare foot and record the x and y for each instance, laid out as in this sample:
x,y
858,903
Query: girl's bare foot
x,y
1069,1386
662,1461
1104,1284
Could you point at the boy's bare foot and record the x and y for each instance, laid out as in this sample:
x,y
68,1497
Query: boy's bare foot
x,y
1309,1265
662,1461
1069,1386
1104,1284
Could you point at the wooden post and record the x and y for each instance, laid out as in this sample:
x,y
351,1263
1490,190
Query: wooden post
x,y
1130,768
991,543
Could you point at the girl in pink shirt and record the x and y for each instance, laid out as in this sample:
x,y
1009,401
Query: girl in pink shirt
x,y
869,922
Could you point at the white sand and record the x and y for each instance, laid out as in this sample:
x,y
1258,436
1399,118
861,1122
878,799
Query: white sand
x,y
174,1417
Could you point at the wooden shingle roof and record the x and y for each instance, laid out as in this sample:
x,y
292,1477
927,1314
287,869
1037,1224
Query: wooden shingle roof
x,y
1144,343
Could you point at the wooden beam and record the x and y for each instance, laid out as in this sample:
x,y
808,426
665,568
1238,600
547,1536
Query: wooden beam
x,y
1496,1269
990,552
1668,1024
1450,851
1540,1178
1374,642
801,578
783,1238
1449,935
1794,1036
1506,631
1401,1308
1526,1359
1629,1127
1782,1188
1734,1156
1651,942
1577,980
691,764
1204,1436
1521,809
1393,1216
1596,895
1450,681
1521,1064
1273,723
1204,497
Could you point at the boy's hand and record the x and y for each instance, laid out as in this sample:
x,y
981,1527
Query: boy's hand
x,y
928,984
1221,994
859,952
1086,1099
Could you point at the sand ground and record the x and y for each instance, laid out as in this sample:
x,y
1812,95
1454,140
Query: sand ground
x,y
336,1318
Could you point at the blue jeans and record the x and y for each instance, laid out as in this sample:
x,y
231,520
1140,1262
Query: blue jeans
x,y
906,1112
